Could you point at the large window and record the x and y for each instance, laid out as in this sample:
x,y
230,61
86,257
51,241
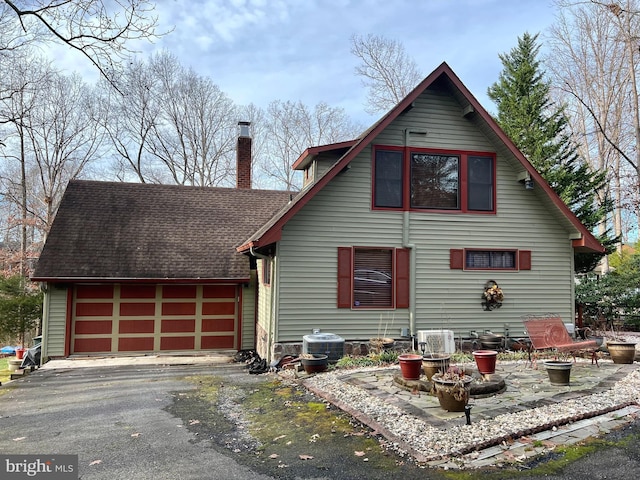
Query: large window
x,y
409,178
373,277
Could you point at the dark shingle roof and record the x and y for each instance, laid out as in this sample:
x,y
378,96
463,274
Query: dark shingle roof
x,y
117,231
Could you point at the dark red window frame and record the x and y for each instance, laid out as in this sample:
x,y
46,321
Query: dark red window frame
x,y
463,179
400,278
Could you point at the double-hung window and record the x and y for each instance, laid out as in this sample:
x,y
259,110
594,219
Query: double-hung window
x,y
419,179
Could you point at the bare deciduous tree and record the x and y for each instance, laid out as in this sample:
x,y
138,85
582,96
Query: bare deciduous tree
x,y
172,125
100,30
594,54
386,70
292,127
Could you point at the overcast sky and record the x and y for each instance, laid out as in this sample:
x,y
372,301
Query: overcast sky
x,y
257,51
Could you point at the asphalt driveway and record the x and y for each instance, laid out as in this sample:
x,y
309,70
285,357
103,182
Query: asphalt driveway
x,y
114,419
121,420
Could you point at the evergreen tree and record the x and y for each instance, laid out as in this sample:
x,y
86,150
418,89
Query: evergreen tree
x,y
540,130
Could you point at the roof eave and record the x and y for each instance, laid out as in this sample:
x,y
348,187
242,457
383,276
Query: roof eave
x,y
69,279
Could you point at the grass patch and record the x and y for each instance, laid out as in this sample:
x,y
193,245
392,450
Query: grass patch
x,y
5,374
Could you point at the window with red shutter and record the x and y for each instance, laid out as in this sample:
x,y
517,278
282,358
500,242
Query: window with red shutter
x,y
373,277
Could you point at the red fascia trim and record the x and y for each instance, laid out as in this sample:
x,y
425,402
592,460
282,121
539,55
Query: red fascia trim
x,y
312,151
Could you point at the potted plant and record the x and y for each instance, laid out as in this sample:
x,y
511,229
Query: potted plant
x,y
452,389
382,342
559,371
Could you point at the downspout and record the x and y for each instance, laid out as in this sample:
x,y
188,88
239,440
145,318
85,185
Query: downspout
x,y
412,257
412,276
272,309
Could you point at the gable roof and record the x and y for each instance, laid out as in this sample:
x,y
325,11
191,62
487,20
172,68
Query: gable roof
x,y
271,231
147,232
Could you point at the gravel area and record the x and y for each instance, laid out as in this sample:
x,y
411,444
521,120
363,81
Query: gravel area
x,y
411,435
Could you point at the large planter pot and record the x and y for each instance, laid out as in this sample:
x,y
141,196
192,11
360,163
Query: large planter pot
x,y
559,371
410,366
452,395
485,361
316,364
622,352
435,363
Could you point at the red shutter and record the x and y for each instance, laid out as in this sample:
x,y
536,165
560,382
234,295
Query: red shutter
x,y
456,258
403,267
344,277
524,259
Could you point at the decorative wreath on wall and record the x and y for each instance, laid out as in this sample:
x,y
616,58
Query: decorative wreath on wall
x,y
492,296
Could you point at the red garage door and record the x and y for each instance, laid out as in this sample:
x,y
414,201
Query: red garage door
x,y
154,318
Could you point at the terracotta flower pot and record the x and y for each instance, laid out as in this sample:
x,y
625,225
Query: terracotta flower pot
x,y
485,361
622,352
559,371
435,363
410,366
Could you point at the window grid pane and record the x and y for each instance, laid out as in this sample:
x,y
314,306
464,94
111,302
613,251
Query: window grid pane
x,y
480,183
388,179
373,278
435,181
490,259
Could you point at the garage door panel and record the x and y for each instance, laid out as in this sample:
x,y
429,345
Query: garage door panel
x,y
92,345
137,344
91,309
218,325
136,326
137,291
93,327
137,309
94,291
219,291
218,308
177,343
223,341
179,308
179,291
174,326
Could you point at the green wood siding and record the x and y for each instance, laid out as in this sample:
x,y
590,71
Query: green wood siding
x,y
54,321
341,215
249,313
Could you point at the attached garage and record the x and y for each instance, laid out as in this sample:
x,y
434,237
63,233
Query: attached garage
x,y
154,318
144,268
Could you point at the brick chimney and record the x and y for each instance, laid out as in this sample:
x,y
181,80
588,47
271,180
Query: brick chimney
x,y
243,157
